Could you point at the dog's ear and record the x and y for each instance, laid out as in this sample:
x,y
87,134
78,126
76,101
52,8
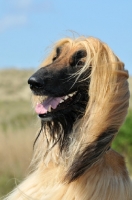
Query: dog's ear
x,y
90,155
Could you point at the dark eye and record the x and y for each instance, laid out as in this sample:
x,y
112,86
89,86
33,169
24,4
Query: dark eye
x,y
58,52
80,63
76,58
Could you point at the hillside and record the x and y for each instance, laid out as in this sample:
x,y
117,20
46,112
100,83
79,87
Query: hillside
x,y
13,84
17,127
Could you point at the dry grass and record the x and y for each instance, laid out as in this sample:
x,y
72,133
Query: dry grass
x,y
17,133
17,127
15,156
13,84
15,151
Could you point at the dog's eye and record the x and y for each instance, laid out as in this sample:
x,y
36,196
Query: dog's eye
x,y
58,52
76,58
80,63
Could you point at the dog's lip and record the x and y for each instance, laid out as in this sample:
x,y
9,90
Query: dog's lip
x,y
51,104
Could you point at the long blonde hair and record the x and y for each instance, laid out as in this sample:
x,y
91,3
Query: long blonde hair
x,y
105,112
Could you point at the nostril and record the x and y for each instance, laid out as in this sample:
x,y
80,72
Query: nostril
x,y
35,82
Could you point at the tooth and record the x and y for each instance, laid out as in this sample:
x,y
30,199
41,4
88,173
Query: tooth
x,y
66,97
61,101
49,109
71,95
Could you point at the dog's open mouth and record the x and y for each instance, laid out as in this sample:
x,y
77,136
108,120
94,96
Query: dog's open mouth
x,y
54,104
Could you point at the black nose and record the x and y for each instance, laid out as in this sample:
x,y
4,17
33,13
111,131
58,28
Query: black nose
x,y
35,82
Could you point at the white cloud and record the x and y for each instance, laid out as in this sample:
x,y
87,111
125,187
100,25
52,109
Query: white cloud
x,y
30,5
10,21
18,12
21,4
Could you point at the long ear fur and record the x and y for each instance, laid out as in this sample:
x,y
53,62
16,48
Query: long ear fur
x,y
106,110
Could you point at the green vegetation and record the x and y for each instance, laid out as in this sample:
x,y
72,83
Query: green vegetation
x,y
7,183
13,119
17,132
18,126
123,141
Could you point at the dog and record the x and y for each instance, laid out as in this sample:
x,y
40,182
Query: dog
x,y
81,96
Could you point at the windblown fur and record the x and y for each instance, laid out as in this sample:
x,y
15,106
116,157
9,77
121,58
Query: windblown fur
x,y
72,156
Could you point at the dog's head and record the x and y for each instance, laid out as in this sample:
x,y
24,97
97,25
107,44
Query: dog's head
x,y
61,88
61,85
78,76
81,96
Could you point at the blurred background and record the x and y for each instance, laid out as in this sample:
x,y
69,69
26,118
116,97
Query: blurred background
x,y
28,28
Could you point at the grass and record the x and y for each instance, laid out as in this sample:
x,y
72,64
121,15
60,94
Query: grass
x,y
18,127
17,132
123,141
15,155
16,114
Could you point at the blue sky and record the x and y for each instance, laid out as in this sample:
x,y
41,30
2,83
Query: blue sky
x,y
28,27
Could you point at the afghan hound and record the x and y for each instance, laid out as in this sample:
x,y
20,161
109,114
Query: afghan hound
x,y
80,94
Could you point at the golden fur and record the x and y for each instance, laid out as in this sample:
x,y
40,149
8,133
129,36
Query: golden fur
x,y
107,178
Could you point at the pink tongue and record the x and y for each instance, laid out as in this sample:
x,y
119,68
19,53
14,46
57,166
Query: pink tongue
x,y
42,108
